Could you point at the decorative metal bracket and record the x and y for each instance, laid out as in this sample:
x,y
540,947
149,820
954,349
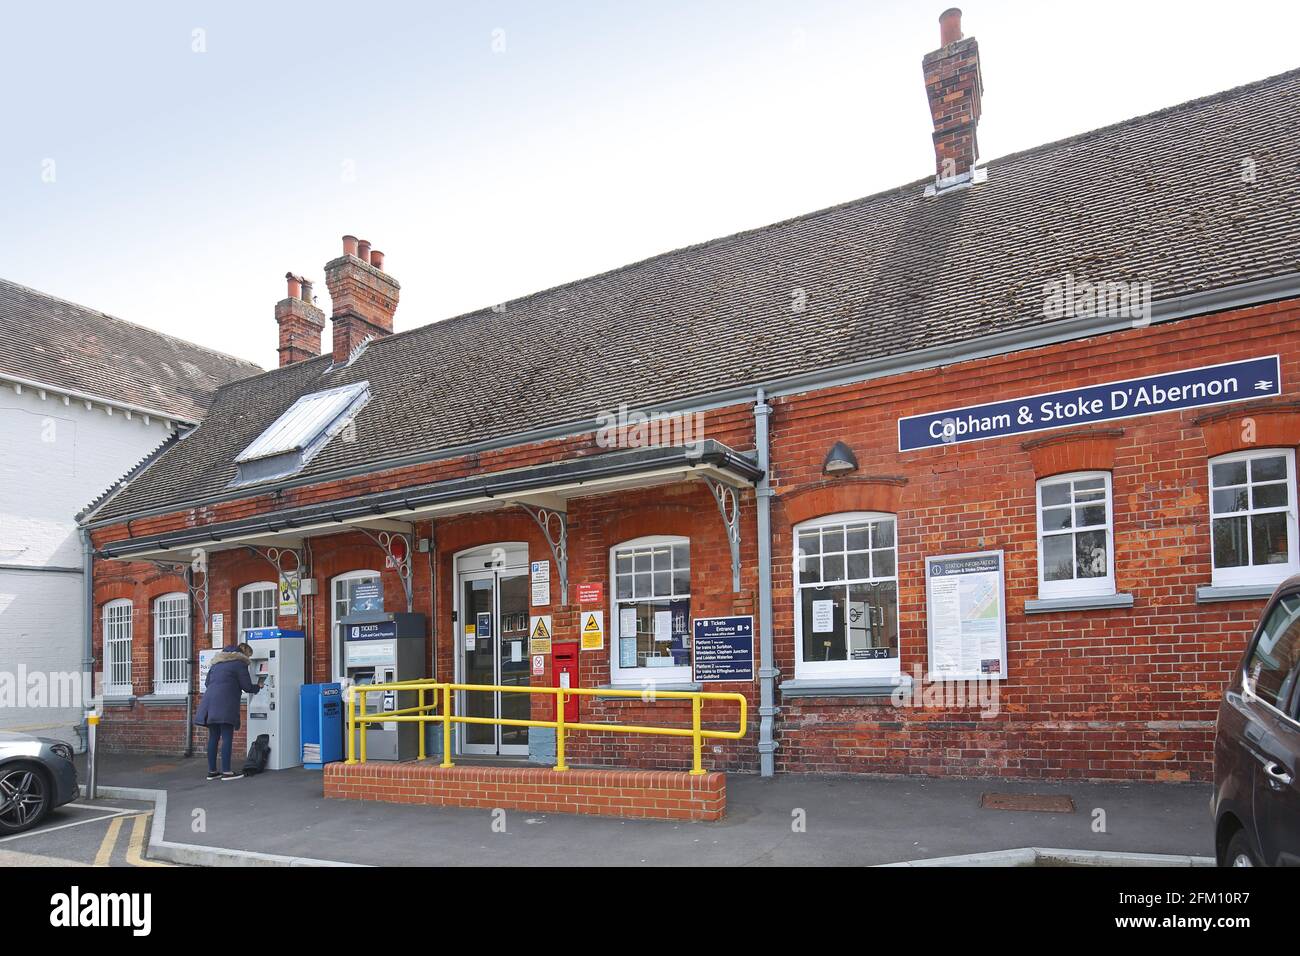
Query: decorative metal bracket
x,y
276,558
196,588
402,565
729,506
555,528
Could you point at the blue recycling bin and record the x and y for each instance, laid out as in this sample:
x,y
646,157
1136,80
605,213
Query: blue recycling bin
x,y
321,711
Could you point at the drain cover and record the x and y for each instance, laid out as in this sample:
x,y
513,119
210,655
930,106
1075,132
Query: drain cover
x,y
1042,802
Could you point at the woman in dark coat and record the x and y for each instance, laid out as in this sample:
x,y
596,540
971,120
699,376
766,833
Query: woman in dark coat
x,y
219,709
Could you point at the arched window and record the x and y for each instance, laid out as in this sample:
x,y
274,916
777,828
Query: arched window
x,y
1252,517
1076,535
118,626
257,606
846,596
650,610
342,590
171,640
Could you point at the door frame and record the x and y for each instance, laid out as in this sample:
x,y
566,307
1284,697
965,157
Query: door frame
x,y
473,563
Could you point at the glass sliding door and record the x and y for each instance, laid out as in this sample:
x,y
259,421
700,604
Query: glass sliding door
x,y
492,625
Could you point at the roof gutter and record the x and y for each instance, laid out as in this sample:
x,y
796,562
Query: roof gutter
x,y
1014,340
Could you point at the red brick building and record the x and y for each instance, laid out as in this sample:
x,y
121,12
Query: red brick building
x,y
1076,363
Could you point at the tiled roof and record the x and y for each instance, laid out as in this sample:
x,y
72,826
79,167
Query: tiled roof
x,y
67,346
1160,199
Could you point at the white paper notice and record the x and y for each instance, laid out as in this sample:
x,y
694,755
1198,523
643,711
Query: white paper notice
x,y
627,622
823,617
540,572
516,651
663,626
945,625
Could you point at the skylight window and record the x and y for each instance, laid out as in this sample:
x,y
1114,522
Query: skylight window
x,y
299,435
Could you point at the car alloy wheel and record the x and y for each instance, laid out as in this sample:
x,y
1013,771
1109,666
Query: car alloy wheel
x,y
22,797
1239,852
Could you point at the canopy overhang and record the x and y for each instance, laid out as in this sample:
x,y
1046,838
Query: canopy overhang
x,y
539,488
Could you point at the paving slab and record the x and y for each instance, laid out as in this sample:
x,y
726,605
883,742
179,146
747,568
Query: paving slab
x,y
791,820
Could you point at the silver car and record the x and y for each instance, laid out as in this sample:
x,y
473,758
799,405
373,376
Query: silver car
x,y
36,775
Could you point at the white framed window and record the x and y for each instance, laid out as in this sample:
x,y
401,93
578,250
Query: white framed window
x,y
1253,517
258,604
1076,535
119,619
171,640
846,596
340,605
650,613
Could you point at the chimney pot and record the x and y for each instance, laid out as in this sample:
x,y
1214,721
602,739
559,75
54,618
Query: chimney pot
x,y
300,322
363,300
949,26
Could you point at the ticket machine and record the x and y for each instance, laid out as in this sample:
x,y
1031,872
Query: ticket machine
x,y
381,648
277,661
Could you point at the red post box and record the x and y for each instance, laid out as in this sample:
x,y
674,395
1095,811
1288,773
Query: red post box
x,y
564,671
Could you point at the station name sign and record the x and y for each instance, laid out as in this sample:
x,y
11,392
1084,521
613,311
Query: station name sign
x,y
1172,391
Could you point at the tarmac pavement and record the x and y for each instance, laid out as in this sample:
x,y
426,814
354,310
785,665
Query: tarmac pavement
x,y
790,820
106,832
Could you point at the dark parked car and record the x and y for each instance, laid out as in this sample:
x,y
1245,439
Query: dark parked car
x,y
36,775
1256,800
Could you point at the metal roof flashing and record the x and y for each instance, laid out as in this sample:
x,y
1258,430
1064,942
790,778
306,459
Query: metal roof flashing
x,y
940,186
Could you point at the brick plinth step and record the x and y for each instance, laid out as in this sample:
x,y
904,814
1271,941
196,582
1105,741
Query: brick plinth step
x,y
641,794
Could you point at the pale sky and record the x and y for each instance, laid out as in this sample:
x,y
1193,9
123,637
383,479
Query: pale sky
x,y
495,149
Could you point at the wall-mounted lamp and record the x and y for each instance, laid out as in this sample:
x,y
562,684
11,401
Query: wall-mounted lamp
x,y
839,460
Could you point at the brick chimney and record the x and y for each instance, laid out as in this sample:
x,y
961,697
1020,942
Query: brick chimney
x,y
301,323
954,87
364,296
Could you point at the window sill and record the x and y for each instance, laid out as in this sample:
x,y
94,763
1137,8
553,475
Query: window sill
x,y
1213,594
874,687
163,700
1093,602
119,700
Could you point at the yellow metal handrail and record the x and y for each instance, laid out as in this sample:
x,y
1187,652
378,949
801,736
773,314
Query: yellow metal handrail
x,y
424,713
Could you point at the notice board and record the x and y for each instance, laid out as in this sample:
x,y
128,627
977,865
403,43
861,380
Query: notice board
x,y
966,616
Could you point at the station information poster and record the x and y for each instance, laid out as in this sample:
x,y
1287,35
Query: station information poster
x,y
966,616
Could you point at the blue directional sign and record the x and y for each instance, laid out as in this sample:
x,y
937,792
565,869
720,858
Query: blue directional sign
x,y
724,649
1151,395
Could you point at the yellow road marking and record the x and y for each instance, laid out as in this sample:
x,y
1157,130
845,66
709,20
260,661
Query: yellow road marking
x,y
109,843
135,846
